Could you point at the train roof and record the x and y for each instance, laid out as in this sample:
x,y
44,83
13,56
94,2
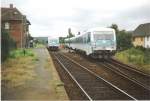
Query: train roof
x,y
100,29
91,30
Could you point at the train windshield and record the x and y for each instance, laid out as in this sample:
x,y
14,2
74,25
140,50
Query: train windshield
x,y
54,42
103,35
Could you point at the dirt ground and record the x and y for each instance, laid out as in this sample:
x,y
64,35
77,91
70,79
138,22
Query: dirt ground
x,y
42,81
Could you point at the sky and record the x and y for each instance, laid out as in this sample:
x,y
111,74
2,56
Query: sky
x,y
54,17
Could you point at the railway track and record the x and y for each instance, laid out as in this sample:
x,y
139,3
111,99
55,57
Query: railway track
x,y
122,81
92,85
129,72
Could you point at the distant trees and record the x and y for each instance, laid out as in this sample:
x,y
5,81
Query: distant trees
x,y
62,39
124,38
79,33
115,27
70,33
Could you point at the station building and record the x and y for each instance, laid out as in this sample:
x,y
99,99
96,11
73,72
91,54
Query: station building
x,y
16,24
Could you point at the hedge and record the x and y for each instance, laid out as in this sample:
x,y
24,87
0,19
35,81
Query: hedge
x,y
7,44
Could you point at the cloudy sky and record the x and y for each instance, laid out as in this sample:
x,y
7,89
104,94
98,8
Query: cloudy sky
x,y
54,17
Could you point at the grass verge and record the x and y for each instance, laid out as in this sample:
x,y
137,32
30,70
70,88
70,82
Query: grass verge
x,y
134,56
18,68
39,45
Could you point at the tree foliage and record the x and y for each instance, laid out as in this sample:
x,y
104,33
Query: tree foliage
x,y
115,27
69,33
62,39
124,38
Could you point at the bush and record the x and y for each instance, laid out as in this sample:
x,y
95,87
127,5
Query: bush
x,y
8,44
140,48
5,44
21,53
138,56
124,40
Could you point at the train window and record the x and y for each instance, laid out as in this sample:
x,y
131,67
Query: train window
x,y
89,37
103,35
84,38
80,40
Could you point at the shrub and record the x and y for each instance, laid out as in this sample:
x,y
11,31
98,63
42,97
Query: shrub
x,y
140,48
7,43
138,56
21,53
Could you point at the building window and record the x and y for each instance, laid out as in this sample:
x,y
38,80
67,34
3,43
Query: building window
x,y
6,25
15,13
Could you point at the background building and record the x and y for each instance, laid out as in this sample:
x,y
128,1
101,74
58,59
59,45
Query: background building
x,y
41,40
141,35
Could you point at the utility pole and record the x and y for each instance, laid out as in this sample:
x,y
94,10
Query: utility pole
x,y
69,32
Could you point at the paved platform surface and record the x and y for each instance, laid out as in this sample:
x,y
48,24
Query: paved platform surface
x,y
46,85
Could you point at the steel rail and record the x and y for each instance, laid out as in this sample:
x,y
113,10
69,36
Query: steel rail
x,y
120,90
112,68
126,66
74,79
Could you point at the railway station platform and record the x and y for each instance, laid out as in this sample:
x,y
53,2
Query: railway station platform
x,y
44,85
53,88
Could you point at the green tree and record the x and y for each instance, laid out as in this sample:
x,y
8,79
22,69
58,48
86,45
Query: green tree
x,y
115,27
70,33
62,39
123,38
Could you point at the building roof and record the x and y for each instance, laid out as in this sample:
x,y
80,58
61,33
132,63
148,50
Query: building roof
x,y
12,13
142,30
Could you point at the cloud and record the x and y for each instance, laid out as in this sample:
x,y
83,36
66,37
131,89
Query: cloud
x,y
54,17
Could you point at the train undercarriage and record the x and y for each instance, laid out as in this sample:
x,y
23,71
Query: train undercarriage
x,y
53,48
101,54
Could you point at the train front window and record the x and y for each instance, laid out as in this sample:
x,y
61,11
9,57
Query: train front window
x,y
103,35
53,42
